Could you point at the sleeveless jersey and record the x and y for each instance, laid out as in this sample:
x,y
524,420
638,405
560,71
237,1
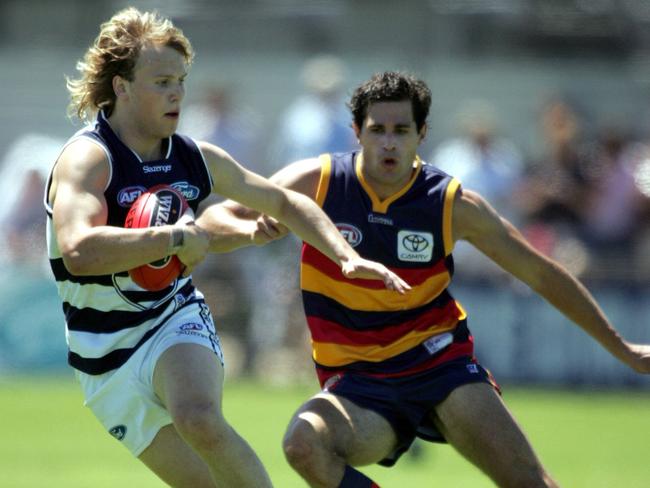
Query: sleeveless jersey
x,y
108,317
358,325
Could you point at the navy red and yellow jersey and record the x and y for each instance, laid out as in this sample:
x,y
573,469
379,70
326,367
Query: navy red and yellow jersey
x,y
359,325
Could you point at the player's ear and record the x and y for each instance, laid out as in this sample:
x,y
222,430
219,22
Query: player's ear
x,y
423,132
357,130
119,86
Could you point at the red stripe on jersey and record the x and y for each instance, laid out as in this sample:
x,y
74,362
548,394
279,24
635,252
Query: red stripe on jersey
x,y
326,331
413,276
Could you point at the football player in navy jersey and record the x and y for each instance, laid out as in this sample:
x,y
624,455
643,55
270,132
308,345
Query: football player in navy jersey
x,y
150,363
393,367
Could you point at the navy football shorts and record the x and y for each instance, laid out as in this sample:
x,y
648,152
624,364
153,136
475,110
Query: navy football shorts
x,y
406,402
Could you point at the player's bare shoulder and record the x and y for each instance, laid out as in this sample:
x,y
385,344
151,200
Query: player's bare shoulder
x,y
82,163
302,176
222,166
211,150
470,214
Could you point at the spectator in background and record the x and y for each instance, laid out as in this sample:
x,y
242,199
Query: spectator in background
x,y
23,170
641,156
316,121
481,158
614,201
582,198
614,204
217,118
30,335
484,161
26,221
552,196
554,188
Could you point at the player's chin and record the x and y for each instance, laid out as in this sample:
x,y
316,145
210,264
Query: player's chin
x,y
170,124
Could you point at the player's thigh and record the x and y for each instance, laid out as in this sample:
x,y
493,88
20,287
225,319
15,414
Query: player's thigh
x,y
175,462
186,374
359,435
476,422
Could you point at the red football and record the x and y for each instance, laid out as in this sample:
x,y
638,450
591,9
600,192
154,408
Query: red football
x,y
160,205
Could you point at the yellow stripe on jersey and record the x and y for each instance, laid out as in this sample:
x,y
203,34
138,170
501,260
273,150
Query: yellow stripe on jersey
x,y
364,299
332,355
379,205
324,182
447,215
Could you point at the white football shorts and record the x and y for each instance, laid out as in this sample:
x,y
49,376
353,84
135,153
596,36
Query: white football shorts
x,y
124,400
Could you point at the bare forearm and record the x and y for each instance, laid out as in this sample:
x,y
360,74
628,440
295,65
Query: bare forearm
x,y
571,298
105,249
227,231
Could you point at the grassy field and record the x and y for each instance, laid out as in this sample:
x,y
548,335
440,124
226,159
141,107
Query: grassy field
x,y
595,439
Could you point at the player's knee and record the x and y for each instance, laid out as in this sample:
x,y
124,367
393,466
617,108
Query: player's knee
x,y
201,425
300,445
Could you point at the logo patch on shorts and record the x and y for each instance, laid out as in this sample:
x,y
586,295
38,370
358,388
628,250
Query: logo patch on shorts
x,y
180,299
191,326
119,432
192,329
472,368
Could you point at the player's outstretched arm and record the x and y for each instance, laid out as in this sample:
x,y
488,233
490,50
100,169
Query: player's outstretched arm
x,y
475,221
295,210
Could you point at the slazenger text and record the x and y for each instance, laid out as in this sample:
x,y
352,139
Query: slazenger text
x,y
161,168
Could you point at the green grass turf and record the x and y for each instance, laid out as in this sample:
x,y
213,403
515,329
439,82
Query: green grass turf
x,y
586,439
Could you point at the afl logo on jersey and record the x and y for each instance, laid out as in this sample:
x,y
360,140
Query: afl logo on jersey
x,y
350,233
414,246
126,196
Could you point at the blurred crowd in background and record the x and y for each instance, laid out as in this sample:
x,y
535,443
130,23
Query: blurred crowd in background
x,y
572,175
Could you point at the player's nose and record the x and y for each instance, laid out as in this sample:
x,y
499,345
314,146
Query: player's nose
x,y
388,142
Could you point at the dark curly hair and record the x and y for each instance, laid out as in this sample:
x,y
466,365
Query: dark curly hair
x,y
391,86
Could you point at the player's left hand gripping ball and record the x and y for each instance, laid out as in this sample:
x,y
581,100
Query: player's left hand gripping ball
x,y
160,205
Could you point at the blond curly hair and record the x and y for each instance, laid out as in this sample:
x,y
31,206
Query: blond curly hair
x,y
115,52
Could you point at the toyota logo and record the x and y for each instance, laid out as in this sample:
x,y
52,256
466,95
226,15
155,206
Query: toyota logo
x,y
415,243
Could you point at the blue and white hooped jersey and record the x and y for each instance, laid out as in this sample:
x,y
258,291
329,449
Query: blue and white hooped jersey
x,y
108,316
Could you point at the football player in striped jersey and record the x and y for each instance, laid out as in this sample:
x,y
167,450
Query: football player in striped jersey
x,y
150,362
398,366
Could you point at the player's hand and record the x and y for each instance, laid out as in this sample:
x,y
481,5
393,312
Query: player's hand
x,y
195,246
363,268
267,229
640,358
